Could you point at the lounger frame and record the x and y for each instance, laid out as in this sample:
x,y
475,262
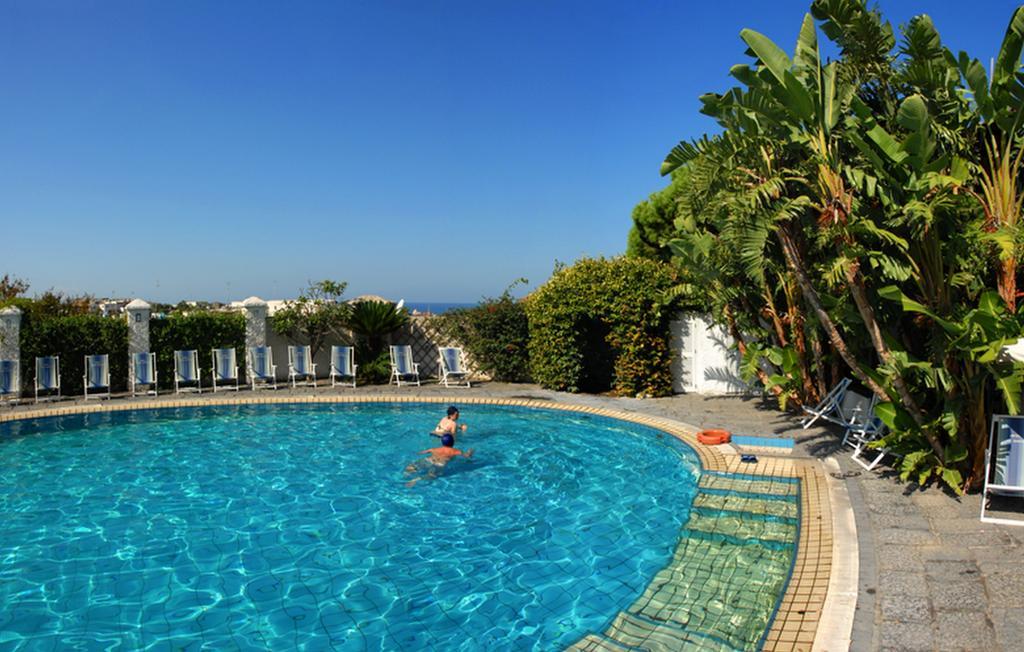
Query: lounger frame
x,y
194,377
301,365
401,359
1007,459
347,368
133,373
225,376
54,378
265,377
96,364
457,377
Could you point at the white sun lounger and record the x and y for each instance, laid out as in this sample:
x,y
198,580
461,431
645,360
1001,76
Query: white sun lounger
x,y
845,408
342,365
225,369
186,370
301,365
48,377
452,363
10,377
262,370
142,372
96,378
403,366
1004,475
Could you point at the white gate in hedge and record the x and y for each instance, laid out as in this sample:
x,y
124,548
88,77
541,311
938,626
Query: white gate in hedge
x,y
704,357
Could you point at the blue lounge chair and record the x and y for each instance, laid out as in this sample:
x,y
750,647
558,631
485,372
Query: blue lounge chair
x,y
143,372
342,365
96,379
225,369
452,363
1004,464
403,366
301,365
186,371
48,377
10,377
262,370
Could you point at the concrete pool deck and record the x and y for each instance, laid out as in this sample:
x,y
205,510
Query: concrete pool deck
x,y
926,575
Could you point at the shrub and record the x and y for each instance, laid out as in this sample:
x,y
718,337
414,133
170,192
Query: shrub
x,y
201,331
495,334
600,325
72,338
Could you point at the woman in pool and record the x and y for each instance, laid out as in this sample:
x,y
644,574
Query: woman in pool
x,y
449,424
439,458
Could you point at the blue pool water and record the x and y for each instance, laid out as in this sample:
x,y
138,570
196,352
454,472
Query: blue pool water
x,y
275,527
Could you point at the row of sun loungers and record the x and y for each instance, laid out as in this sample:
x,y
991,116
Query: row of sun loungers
x,y
262,371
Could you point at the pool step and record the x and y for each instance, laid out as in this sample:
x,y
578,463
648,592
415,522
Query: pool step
x,y
642,634
739,503
768,487
738,527
597,643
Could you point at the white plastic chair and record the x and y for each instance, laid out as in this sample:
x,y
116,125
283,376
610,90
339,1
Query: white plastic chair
x,y
142,372
301,365
452,363
262,370
225,369
96,378
48,377
186,370
342,365
403,366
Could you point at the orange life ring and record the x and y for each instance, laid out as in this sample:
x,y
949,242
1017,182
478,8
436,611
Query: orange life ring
x,y
713,437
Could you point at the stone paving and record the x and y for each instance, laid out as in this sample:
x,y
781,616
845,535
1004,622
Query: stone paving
x,y
932,576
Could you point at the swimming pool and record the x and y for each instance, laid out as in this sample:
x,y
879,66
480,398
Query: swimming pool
x,y
270,527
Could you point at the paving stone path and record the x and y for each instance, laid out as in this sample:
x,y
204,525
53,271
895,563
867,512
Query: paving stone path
x,y
932,576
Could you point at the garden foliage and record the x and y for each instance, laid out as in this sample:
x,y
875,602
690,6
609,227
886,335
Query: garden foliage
x,y
600,325
861,217
495,334
202,331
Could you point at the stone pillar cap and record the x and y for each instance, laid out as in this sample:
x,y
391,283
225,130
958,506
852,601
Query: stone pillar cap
x,y
11,310
138,304
254,302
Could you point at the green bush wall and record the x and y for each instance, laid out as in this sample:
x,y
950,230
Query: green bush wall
x,y
600,325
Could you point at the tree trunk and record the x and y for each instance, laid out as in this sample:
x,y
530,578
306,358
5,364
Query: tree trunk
x,y
819,361
1007,283
811,295
867,314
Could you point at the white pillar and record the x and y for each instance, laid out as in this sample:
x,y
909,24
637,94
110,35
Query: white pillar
x,y
138,326
255,322
10,333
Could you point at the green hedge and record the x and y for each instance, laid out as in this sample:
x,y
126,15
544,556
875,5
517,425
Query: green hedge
x,y
72,338
600,325
202,331
496,335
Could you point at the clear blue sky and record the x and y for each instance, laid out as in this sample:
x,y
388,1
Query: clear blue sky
x,y
434,151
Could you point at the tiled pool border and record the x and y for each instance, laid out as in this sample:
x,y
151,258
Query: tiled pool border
x,y
796,621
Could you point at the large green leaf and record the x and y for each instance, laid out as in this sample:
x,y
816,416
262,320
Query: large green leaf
x,y
770,54
893,293
806,54
1008,59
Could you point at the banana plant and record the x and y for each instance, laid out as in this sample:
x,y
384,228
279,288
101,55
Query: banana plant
x,y
975,343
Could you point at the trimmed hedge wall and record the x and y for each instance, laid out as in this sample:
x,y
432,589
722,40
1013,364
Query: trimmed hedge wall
x,y
202,331
600,325
72,338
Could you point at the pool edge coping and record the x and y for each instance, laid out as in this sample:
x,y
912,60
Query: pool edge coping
x,y
800,623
